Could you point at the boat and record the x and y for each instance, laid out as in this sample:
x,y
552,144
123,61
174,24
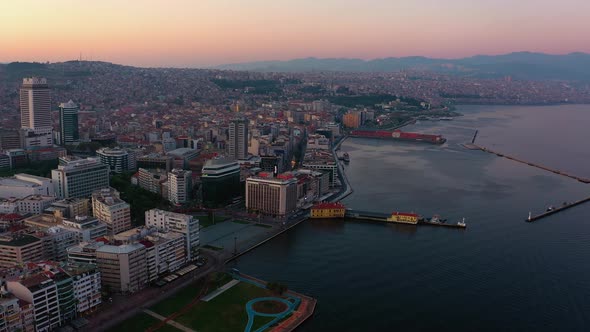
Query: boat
x,y
550,208
399,135
346,157
436,219
328,210
462,223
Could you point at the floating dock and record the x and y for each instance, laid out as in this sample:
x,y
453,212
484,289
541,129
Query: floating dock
x,y
532,218
472,146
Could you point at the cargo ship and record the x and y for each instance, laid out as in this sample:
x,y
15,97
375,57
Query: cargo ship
x,y
328,210
404,218
399,135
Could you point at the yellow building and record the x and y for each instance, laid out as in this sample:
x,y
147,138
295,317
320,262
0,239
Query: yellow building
x,y
328,210
405,218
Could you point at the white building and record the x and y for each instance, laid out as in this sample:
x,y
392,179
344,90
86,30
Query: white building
x,y
176,222
23,185
122,268
35,204
80,178
84,252
271,196
41,291
86,229
111,210
55,241
119,160
9,205
179,186
35,108
165,251
87,287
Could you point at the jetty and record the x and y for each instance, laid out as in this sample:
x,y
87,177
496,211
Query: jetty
x,y
383,217
551,211
473,146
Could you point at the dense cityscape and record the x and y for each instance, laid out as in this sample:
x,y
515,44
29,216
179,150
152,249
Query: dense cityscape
x,y
111,172
277,167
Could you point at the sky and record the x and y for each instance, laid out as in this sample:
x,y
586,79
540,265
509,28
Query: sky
x,y
202,33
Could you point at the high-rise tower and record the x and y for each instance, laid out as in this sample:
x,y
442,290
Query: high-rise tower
x,y
35,108
68,123
238,139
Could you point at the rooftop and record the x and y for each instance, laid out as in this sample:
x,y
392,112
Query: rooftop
x,y
17,240
122,249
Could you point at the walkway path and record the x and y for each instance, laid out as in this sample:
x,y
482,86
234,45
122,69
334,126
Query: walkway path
x,y
220,290
170,322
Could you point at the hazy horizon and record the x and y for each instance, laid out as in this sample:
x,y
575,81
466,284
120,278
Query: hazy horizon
x,y
184,33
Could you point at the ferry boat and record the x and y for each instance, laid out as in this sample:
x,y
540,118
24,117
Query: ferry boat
x,y
403,217
328,210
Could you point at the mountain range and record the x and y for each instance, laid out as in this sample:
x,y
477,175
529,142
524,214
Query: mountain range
x,y
518,65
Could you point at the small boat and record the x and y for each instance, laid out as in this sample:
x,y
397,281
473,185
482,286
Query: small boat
x,y
346,157
462,223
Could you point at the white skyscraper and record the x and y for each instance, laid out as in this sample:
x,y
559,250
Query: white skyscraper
x,y
35,108
179,186
238,139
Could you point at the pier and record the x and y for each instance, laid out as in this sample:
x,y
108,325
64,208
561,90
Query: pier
x,y
473,146
564,207
382,217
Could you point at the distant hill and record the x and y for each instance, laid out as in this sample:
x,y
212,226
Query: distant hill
x,y
519,65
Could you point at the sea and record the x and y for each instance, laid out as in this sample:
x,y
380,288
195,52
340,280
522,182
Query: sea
x,y
499,274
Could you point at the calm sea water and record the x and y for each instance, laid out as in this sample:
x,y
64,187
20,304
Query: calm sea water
x,y
500,274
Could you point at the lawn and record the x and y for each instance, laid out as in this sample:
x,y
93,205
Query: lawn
x,y
226,312
184,297
142,322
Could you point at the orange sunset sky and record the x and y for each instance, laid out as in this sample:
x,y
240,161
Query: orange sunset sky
x,y
197,33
